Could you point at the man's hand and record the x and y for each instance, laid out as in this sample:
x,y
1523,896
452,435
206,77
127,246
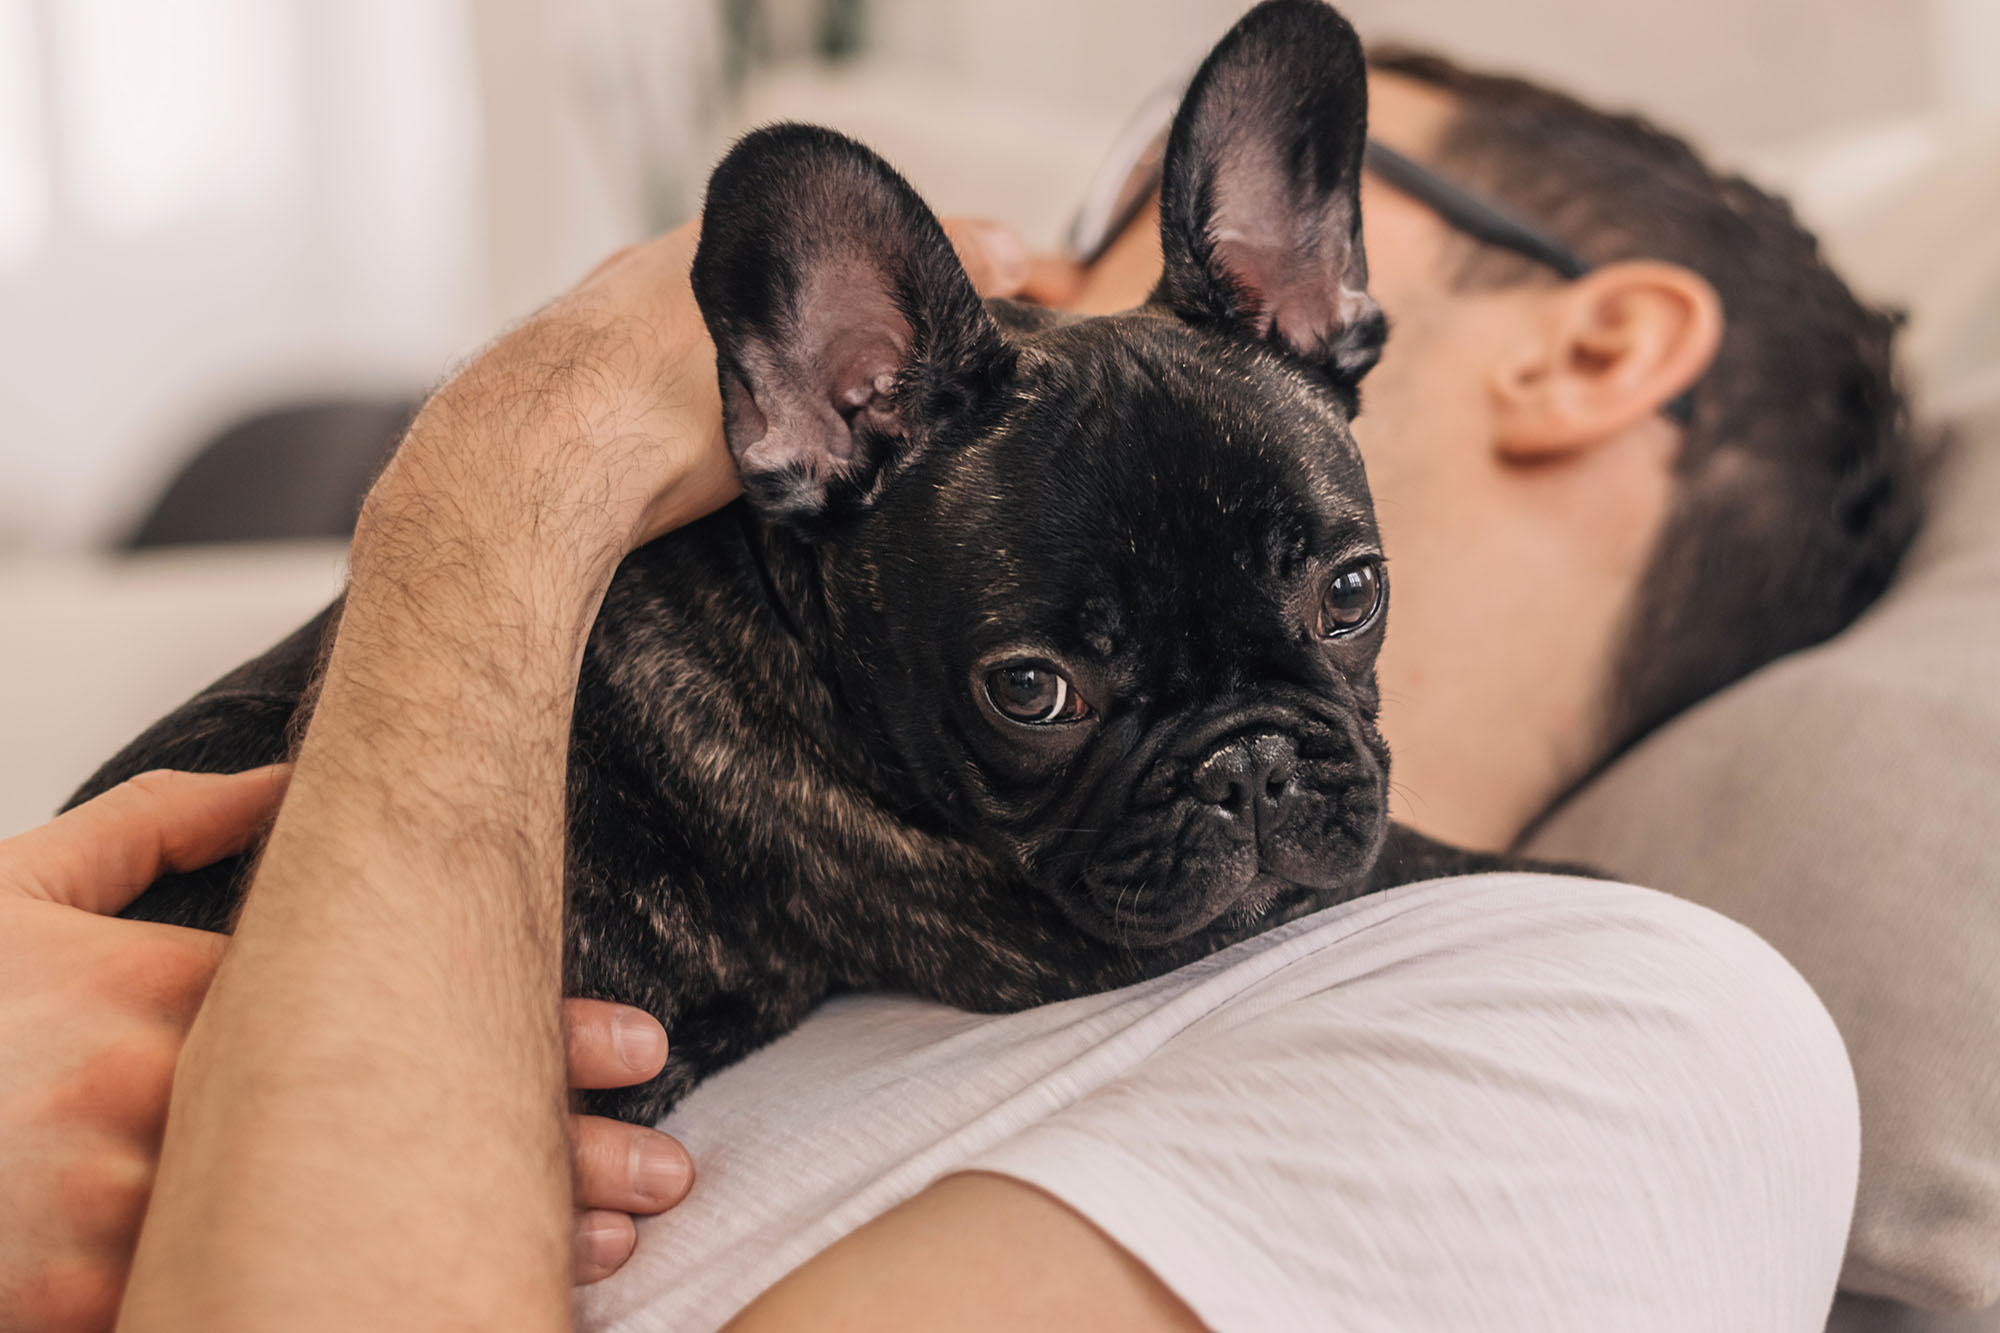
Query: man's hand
x,y
93,1011
603,405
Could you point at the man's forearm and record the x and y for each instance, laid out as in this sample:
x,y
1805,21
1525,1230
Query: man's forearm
x,y
384,1038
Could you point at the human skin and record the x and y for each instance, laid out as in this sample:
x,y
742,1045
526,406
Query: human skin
x,y
1546,398
93,1012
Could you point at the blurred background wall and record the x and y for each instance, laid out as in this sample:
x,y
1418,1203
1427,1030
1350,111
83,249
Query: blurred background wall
x,y
213,206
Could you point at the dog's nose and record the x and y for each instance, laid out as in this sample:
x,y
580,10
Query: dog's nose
x,y
1250,781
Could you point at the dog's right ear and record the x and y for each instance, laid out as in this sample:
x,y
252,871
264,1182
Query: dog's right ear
x,y
847,334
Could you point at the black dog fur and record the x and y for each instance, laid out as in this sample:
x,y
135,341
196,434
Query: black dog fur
x,y
790,770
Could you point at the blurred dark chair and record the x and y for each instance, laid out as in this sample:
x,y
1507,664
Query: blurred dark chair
x,y
292,472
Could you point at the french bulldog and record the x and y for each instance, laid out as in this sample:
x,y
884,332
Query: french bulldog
x,y
1038,656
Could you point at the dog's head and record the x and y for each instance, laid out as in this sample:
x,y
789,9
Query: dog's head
x,y
1108,591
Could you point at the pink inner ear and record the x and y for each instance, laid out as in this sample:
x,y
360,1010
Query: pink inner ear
x,y
862,366
1296,294
1290,260
857,340
823,382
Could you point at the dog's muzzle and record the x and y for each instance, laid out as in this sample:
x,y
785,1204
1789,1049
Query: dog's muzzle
x,y
1241,817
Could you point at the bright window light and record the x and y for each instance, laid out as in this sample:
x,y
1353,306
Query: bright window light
x,y
171,107
24,182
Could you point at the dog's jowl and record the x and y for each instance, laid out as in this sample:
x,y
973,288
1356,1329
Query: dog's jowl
x,y
1039,655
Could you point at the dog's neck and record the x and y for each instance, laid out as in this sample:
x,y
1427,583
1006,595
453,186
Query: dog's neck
x,y
791,575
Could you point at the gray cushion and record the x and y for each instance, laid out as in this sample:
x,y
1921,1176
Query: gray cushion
x,y
1874,1314
1845,804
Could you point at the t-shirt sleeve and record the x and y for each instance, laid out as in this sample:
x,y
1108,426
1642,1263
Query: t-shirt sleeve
x,y
1566,1110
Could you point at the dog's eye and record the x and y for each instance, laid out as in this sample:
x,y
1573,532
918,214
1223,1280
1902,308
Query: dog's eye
x,y
1351,598
1035,693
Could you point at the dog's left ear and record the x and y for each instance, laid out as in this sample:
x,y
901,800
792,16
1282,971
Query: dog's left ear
x,y
848,336
1260,200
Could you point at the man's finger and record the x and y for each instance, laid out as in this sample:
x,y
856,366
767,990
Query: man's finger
x,y
603,1242
100,855
612,1045
1052,280
627,1167
993,253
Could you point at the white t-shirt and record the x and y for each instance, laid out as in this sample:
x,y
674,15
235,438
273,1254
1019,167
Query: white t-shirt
x,y
1508,1101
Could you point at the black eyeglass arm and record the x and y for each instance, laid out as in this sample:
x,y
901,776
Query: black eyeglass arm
x,y
1471,214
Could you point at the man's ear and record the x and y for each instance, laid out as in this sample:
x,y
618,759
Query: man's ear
x,y
1601,354
847,334
1260,196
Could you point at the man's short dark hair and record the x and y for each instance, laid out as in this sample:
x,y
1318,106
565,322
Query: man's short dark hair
x,y
1797,486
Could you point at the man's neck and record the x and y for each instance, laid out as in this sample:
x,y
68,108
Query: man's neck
x,y
1475,763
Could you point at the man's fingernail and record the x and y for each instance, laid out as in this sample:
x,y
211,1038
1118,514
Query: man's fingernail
x,y
660,1169
638,1041
1005,252
600,1244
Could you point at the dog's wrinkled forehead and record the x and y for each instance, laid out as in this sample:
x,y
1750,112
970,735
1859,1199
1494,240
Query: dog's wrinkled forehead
x,y
1139,449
